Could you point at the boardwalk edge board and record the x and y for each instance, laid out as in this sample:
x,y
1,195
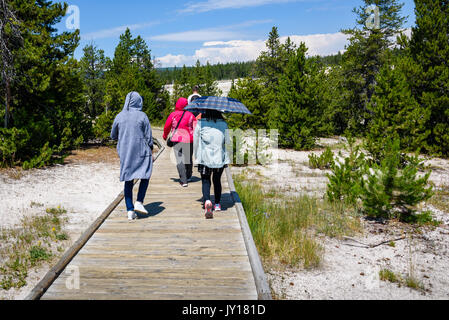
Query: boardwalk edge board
x,y
262,286
42,287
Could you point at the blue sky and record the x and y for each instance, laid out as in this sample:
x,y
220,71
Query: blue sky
x,y
180,32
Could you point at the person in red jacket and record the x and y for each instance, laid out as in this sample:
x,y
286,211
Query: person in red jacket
x,y
183,139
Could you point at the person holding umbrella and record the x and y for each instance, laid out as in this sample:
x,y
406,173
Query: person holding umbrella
x,y
210,139
209,145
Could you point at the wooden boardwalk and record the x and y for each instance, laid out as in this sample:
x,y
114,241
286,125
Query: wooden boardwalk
x,y
172,254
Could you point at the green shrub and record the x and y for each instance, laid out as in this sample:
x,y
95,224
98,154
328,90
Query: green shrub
x,y
393,189
325,161
11,142
389,189
103,125
345,179
42,159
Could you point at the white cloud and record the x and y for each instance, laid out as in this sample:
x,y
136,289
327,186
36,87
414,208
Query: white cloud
x,y
321,44
242,50
116,31
211,5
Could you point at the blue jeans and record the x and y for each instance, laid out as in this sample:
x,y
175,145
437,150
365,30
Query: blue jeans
x,y
129,193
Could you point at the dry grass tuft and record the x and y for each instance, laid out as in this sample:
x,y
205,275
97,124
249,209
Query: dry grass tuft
x,y
286,229
37,240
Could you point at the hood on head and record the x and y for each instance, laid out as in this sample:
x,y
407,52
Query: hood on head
x,y
181,104
133,101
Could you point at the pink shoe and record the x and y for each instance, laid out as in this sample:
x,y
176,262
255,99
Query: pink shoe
x,y
209,212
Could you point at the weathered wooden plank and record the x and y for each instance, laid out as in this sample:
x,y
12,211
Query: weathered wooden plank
x,y
162,295
147,273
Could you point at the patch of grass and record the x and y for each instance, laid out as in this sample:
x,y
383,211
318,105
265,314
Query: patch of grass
x,y
413,283
287,231
38,254
29,245
422,219
13,173
409,281
322,162
390,276
36,204
441,199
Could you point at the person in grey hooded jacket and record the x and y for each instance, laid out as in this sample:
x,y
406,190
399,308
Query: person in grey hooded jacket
x,y
133,131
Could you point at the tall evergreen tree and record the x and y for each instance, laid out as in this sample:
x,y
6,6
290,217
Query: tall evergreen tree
x,y
46,98
132,69
295,116
396,113
429,48
253,94
93,69
10,39
365,56
209,86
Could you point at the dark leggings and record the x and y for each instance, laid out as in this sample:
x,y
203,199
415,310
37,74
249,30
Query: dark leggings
x,y
216,178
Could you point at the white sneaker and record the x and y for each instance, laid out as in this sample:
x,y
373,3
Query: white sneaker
x,y
132,215
138,206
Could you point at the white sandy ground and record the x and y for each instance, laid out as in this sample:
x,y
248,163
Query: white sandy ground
x,y
350,271
83,189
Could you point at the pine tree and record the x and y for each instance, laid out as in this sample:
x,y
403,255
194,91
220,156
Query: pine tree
x,y
346,177
429,48
395,112
46,99
269,64
93,68
392,190
132,69
253,94
10,39
365,56
209,87
332,99
295,115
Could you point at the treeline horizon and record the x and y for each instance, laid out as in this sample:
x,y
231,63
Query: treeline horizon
x,y
233,70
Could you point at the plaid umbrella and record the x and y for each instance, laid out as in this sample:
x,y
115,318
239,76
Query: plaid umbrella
x,y
222,104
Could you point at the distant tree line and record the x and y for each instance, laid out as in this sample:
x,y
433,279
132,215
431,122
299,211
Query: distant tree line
x,y
227,71
231,70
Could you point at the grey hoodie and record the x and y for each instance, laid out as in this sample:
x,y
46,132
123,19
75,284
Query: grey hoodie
x,y
133,131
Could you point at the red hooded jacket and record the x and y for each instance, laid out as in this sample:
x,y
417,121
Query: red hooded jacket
x,y
184,133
